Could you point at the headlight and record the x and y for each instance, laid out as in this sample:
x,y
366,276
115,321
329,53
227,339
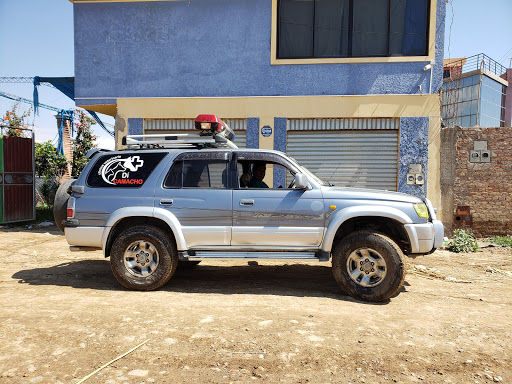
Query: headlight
x,y
421,210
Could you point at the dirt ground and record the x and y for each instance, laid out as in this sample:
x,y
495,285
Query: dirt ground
x,y
63,315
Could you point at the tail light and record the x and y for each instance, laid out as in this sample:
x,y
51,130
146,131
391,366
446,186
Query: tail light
x,y
71,208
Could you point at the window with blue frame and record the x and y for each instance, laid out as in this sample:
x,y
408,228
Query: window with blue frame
x,y
352,28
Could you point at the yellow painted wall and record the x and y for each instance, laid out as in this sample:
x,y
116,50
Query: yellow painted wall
x,y
377,106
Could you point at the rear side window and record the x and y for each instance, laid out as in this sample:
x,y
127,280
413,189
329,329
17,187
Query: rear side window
x,y
197,174
123,170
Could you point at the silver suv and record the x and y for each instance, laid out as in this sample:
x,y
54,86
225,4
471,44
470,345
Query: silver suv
x,y
171,200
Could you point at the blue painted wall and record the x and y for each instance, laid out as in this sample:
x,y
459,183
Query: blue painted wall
x,y
279,145
413,150
135,126
214,48
253,132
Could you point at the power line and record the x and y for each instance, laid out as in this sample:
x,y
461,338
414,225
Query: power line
x,y
504,57
451,24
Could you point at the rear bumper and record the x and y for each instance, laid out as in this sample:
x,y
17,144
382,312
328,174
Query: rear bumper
x,y
84,236
424,238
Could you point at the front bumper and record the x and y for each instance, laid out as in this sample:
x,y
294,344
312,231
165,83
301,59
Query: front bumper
x,y
424,238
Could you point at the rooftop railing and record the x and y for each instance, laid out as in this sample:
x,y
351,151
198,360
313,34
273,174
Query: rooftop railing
x,y
477,62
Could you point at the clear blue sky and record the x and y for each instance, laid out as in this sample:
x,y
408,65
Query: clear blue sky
x,y
36,39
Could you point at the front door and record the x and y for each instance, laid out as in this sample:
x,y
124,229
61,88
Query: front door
x,y
270,215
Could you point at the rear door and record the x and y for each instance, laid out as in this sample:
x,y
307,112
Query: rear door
x,y
196,190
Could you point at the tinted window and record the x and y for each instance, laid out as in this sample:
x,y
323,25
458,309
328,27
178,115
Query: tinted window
x,y
197,174
251,174
123,170
343,28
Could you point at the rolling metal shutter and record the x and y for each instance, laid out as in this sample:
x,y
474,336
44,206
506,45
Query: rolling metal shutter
x,y
347,152
175,126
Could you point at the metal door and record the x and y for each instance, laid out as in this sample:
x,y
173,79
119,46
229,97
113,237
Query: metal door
x,y
176,126
347,152
17,176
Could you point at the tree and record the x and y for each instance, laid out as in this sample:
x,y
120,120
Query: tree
x,y
83,142
15,121
49,163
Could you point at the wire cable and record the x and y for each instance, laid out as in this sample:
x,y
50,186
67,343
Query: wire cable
x,y
504,57
451,24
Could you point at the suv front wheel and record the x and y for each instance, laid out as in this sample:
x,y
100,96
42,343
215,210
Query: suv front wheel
x,y
143,258
368,266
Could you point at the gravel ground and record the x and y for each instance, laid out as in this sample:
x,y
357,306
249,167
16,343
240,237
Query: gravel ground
x,y
64,316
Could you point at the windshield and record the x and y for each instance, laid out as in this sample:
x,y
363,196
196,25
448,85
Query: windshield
x,y
310,174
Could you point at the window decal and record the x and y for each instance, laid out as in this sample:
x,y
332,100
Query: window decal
x,y
123,170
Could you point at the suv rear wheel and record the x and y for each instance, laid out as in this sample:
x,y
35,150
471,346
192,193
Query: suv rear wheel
x,y
143,258
368,266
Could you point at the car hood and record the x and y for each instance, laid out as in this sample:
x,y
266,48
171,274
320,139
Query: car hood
x,y
368,194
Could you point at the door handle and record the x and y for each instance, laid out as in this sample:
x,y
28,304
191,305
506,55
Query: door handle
x,y
166,202
246,203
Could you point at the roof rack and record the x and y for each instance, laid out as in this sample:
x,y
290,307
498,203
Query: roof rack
x,y
181,140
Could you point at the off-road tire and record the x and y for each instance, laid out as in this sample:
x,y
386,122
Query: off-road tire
x,y
60,203
166,251
384,249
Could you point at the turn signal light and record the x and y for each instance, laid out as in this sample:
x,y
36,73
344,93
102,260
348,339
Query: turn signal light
x,y
421,210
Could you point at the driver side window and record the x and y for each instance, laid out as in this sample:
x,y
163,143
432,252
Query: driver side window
x,y
254,174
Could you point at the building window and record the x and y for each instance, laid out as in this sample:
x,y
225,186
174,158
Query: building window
x,y
352,28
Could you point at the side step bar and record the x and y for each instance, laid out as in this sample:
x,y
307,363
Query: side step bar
x,y
80,248
229,255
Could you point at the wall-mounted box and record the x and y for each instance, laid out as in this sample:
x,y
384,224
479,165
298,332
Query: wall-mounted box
x,y
415,168
480,145
480,156
485,156
474,156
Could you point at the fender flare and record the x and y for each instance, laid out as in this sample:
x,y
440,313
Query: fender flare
x,y
360,211
157,213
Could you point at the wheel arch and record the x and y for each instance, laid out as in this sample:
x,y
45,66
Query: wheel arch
x,y
125,218
385,220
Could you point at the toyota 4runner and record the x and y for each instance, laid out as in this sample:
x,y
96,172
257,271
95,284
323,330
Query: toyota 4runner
x,y
179,199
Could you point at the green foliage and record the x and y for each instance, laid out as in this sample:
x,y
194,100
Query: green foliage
x,y
14,121
505,241
463,241
48,190
44,213
49,163
83,142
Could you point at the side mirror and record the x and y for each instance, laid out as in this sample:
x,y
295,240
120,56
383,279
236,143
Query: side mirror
x,y
301,181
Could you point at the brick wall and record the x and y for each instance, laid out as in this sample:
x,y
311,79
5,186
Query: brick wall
x,y
481,191
68,147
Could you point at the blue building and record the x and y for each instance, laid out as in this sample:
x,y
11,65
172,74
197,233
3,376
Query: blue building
x,y
348,88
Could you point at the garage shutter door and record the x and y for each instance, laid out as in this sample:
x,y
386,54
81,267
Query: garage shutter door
x,y
175,126
364,158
